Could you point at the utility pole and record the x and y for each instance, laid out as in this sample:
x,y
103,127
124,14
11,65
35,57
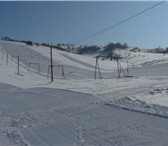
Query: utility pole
x,y
51,63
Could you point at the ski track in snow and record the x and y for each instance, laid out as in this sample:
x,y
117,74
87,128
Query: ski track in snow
x,y
49,120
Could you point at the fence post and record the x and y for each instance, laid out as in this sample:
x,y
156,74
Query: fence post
x,y
95,68
127,66
63,72
51,64
7,58
18,64
118,67
2,54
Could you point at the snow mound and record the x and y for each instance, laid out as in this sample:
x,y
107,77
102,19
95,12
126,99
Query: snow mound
x,y
150,103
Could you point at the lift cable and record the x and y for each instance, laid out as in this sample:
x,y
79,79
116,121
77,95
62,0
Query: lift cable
x,y
117,24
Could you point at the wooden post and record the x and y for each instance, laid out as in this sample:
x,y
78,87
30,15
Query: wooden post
x,y
51,64
122,69
127,66
2,54
18,65
95,69
99,69
7,58
118,67
63,72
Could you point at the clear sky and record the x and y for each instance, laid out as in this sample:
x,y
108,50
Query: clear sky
x,y
67,21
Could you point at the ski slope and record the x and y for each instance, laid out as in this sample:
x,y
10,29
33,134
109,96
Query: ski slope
x,y
78,110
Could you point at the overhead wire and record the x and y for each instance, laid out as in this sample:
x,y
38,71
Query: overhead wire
x,y
117,24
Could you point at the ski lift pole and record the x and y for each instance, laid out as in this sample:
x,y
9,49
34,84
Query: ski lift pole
x,y
7,58
18,65
99,70
51,63
127,66
2,53
118,68
95,68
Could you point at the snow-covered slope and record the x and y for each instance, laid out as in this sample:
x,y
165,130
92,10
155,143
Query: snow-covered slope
x,y
79,110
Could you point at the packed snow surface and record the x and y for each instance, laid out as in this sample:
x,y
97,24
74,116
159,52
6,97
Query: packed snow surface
x,y
76,109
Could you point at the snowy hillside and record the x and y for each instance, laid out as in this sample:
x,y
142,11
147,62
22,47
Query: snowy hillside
x,y
76,109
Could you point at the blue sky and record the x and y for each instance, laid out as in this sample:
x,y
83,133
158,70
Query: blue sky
x,y
68,21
